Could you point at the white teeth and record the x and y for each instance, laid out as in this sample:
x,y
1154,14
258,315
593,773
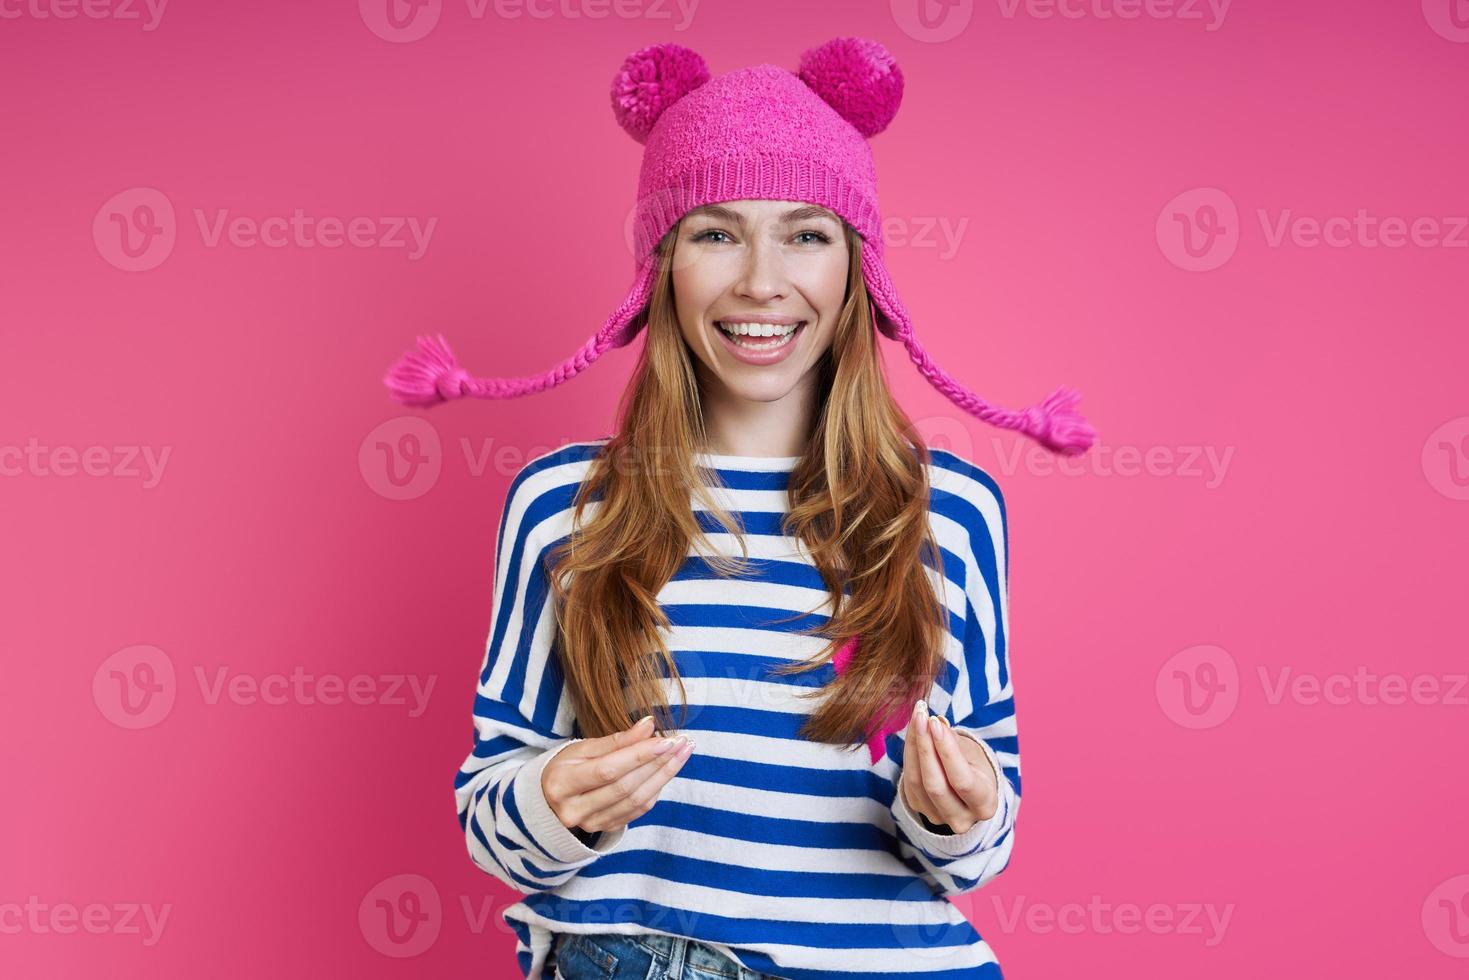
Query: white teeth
x,y
758,329
762,344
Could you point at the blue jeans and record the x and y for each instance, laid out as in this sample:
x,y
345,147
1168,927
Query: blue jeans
x,y
642,956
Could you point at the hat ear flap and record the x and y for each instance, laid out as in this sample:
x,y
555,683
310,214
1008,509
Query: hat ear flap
x,y
857,77
651,80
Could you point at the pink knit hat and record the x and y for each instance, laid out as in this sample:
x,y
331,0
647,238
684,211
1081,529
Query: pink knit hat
x,y
759,133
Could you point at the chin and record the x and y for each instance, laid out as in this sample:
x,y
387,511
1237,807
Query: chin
x,y
767,390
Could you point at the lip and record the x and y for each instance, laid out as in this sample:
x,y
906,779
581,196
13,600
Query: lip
x,y
761,357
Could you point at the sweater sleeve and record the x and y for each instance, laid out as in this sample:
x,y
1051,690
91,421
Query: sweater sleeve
x,y
521,719
982,708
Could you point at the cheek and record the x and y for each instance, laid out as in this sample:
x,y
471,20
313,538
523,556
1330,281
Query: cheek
x,y
825,290
686,308
695,290
821,342
825,282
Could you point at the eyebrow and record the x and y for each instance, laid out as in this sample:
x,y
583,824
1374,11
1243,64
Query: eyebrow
x,y
803,213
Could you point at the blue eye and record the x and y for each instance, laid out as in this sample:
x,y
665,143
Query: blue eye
x,y
703,236
825,239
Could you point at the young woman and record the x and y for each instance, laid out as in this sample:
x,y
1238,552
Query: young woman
x,y
764,560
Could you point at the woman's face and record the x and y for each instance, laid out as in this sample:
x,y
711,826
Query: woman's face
x,y
774,263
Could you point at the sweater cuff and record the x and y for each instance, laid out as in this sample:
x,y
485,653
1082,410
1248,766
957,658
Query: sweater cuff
x,y
949,846
546,831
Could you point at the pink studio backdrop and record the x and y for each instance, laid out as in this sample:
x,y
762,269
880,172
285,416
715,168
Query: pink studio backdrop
x,y
247,594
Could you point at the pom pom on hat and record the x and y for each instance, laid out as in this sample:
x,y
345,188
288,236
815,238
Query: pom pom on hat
x,y
650,81
857,77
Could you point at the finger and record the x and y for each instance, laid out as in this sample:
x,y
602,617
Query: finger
x,y
575,770
591,748
968,782
946,804
642,798
645,760
911,782
580,776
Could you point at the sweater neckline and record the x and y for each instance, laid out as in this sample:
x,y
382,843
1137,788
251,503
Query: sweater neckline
x,y
727,461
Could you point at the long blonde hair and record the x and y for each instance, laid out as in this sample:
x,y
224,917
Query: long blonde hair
x,y
858,504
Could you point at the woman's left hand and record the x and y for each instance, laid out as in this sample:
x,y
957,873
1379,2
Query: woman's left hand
x,y
946,777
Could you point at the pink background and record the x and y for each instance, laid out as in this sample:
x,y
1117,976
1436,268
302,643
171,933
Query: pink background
x,y
1327,381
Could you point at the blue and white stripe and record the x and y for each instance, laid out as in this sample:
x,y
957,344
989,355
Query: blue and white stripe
x,y
797,859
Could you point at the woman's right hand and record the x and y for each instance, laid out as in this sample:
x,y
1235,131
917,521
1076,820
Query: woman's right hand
x,y
605,783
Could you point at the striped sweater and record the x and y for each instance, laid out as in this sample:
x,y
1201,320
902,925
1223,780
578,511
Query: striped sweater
x,y
795,858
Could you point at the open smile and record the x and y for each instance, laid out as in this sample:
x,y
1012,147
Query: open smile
x,y
760,343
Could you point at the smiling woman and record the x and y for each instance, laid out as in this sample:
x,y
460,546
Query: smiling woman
x,y
711,566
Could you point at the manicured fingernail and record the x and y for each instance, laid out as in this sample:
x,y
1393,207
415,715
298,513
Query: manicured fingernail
x,y
921,707
663,746
936,727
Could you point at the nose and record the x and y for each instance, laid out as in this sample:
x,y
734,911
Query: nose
x,y
763,275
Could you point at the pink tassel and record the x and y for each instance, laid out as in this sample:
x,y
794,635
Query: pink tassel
x,y
1056,423
429,375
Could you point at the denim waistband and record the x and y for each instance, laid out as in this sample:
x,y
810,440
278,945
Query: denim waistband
x,y
675,953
